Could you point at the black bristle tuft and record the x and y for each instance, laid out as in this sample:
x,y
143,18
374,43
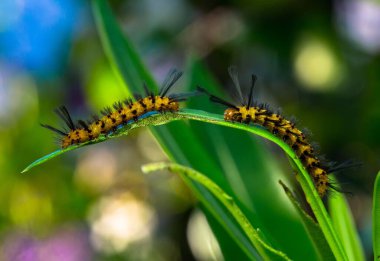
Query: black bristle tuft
x,y
106,111
216,99
83,124
64,114
94,117
169,81
184,96
293,120
278,111
128,102
53,129
250,96
315,146
118,105
336,187
137,96
232,70
148,92
307,132
334,167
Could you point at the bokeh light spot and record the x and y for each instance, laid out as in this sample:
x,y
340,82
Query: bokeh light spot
x,y
202,241
96,171
119,220
360,21
104,88
28,208
316,66
149,147
18,99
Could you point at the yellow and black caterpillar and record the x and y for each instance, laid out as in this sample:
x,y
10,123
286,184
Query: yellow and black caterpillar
x,y
122,113
249,111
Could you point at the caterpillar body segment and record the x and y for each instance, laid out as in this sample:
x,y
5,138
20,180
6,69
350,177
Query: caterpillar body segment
x,y
120,114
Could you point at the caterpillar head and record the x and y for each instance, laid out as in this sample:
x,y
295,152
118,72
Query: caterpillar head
x,y
173,106
231,114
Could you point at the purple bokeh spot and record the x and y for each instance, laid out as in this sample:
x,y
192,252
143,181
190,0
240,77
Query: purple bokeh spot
x,y
360,20
68,244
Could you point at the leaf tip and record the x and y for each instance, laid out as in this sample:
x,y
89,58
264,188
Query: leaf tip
x,y
25,170
151,167
145,168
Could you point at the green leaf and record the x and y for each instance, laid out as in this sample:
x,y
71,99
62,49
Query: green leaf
x,y
344,224
101,138
184,144
181,143
159,119
176,139
252,169
317,206
227,201
376,218
304,179
314,230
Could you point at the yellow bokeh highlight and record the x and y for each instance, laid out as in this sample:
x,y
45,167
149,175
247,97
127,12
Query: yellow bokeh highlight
x,y
29,208
104,88
316,66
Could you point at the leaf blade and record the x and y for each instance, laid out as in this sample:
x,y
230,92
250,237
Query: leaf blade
x,y
128,65
225,199
314,230
304,179
343,222
376,218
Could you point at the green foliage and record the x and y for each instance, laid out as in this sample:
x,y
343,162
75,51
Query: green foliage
x,y
306,183
344,225
313,228
228,202
376,218
234,167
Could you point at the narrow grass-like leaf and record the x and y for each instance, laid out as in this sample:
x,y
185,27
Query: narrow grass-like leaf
x,y
70,148
320,211
130,68
154,120
314,230
376,218
227,201
304,178
248,163
159,119
344,224
176,139
183,145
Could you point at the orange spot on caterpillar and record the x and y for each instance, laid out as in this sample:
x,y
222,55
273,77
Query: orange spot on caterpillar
x,y
251,112
122,114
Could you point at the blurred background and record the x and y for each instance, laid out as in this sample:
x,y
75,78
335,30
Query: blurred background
x,y
316,60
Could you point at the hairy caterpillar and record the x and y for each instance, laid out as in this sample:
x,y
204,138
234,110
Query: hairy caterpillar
x,y
122,113
252,112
